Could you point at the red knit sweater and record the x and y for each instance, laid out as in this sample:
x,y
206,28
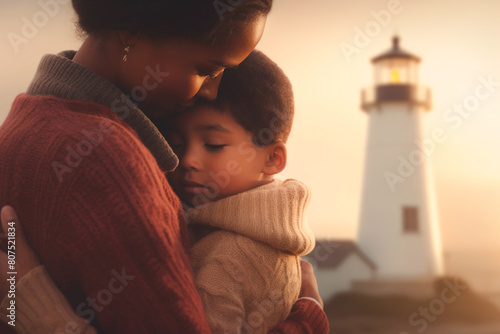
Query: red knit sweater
x,y
102,218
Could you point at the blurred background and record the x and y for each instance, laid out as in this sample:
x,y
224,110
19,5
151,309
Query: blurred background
x,y
317,45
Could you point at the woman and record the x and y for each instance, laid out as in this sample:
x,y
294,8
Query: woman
x,y
84,165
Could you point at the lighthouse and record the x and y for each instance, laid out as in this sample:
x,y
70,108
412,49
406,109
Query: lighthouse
x,y
398,226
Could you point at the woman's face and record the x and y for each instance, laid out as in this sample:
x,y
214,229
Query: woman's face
x,y
171,75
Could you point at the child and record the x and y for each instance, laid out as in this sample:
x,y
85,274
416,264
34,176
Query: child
x,y
248,229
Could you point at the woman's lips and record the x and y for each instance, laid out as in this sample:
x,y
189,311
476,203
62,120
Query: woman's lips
x,y
186,105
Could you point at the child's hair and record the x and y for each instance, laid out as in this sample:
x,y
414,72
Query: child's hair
x,y
259,96
200,20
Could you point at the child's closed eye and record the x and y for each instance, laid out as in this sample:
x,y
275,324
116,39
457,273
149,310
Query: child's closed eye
x,y
212,147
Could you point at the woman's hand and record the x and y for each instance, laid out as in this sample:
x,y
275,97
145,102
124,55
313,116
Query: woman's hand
x,y
25,259
309,287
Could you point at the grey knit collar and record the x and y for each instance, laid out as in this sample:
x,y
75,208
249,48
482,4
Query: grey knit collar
x,y
59,76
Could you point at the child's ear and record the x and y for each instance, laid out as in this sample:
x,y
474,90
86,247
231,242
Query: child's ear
x,y
276,159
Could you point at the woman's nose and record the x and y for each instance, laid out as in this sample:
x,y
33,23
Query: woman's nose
x,y
210,87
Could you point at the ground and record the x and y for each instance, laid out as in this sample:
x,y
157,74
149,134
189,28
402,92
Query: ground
x,y
468,313
381,325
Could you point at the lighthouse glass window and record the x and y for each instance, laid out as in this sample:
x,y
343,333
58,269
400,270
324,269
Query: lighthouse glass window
x,y
394,72
410,219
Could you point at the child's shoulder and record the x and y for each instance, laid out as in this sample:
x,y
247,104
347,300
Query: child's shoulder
x,y
294,185
278,186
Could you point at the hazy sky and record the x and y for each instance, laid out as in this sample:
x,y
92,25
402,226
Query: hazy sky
x,y
459,42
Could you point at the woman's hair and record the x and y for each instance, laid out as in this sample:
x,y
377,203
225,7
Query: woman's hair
x,y
200,20
259,96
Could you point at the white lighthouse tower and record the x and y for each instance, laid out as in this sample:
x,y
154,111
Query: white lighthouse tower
x,y
398,228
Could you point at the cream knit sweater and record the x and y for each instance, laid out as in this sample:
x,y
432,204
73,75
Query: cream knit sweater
x,y
247,271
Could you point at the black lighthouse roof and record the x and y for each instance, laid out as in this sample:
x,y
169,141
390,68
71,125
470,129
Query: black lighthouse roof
x,y
395,52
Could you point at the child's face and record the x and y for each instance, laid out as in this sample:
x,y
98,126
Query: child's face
x,y
216,156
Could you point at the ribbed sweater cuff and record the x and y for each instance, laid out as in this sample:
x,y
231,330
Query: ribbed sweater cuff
x,y
41,307
313,315
312,299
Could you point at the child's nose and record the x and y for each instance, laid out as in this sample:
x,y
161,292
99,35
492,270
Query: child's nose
x,y
190,160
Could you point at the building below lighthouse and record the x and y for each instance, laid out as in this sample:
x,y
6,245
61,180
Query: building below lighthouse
x,y
398,248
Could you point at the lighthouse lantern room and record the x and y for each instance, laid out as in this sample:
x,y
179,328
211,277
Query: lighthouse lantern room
x,y
396,79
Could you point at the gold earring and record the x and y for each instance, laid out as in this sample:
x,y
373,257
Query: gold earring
x,y
126,50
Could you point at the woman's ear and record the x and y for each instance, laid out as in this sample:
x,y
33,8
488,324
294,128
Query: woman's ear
x,y
276,159
126,38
